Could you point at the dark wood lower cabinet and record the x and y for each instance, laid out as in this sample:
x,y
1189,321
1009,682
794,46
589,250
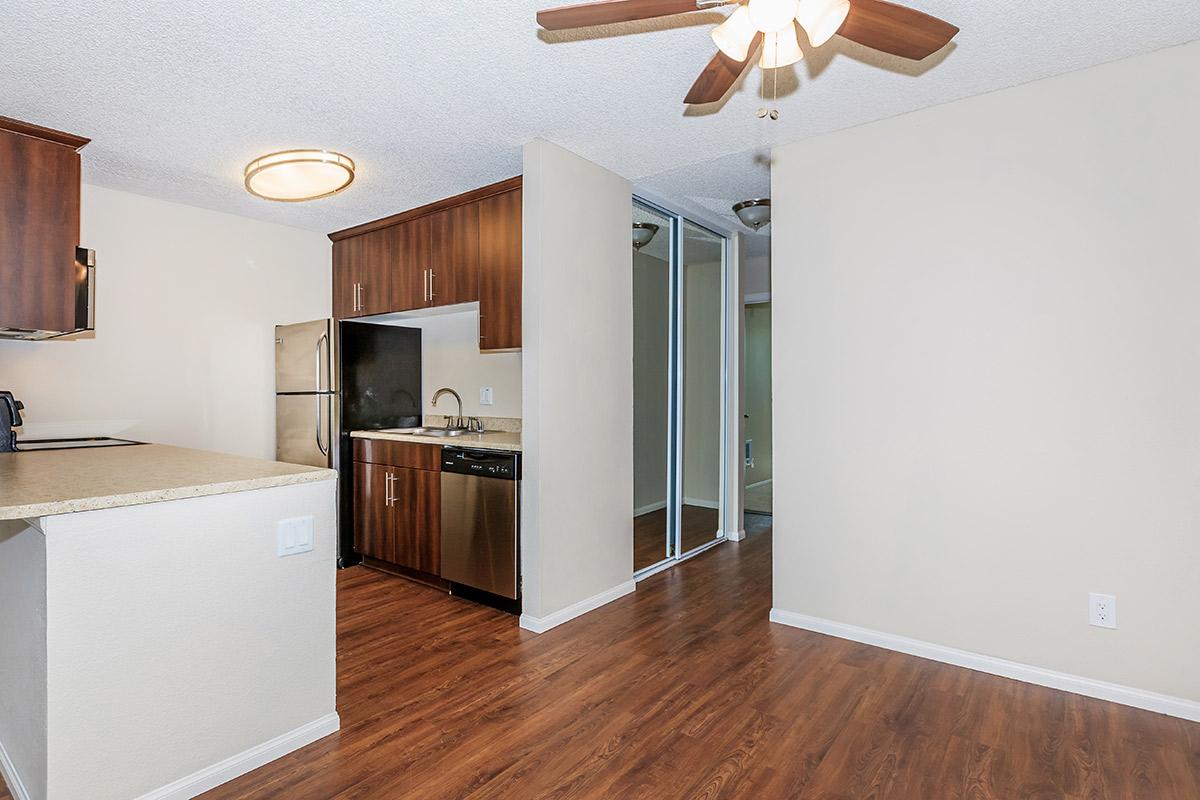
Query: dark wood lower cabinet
x,y
397,509
418,530
374,521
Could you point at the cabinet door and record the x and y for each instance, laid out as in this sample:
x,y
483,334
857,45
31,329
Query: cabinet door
x,y
418,520
382,289
374,516
412,264
347,257
39,231
454,255
500,272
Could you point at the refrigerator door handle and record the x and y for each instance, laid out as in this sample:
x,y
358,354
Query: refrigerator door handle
x,y
317,375
320,445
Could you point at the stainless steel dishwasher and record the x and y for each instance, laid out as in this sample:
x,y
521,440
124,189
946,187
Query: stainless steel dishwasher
x,y
481,513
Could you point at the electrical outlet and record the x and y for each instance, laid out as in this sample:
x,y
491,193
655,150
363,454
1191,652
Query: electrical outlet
x,y
485,396
1102,610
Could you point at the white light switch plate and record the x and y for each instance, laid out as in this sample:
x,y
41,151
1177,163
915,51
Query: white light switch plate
x,y
485,396
295,536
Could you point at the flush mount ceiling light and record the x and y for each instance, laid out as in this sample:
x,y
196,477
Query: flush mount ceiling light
x,y
643,232
754,213
292,176
769,24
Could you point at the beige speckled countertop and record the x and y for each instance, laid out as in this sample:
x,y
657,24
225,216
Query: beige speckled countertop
x,y
491,440
48,482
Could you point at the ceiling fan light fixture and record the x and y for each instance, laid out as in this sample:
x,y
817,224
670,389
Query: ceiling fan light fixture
x,y
292,176
770,16
643,232
780,49
734,36
821,19
754,213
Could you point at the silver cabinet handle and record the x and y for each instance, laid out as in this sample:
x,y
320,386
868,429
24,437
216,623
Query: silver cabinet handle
x,y
362,293
432,293
390,497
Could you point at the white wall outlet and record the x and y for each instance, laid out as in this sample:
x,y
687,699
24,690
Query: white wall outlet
x,y
485,396
295,536
1102,610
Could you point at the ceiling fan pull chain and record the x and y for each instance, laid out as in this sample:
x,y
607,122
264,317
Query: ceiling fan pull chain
x,y
773,113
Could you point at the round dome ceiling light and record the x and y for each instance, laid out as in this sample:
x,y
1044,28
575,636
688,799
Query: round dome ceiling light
x,y
293,176
754,213
643,232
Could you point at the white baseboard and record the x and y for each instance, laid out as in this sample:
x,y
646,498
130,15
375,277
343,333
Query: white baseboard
x,y
650,509
8,772
543,624
1076,684
211,777
698,503
737,536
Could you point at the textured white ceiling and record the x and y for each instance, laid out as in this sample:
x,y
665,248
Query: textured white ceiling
x,y
435,98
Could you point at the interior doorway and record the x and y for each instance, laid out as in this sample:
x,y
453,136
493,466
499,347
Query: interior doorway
x,y
757,410
680,387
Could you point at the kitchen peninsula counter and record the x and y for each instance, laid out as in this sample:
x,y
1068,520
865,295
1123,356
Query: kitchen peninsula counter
x,y
153,595
49,482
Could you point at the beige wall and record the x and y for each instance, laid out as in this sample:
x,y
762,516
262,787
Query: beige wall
x,y
577,531
450,357
990,311
183,353
758,390
651,380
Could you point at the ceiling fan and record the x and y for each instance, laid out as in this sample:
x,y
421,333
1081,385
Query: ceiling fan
x,y
771,25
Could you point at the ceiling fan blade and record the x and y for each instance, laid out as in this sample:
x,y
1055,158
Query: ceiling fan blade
x,y
610,11
895,29
720,74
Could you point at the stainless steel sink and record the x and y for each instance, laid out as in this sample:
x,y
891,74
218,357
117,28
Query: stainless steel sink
x,y
438,432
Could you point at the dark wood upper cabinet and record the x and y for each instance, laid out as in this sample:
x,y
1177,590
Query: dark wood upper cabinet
x,y
460,250
39,229
500,264
454,255
347,260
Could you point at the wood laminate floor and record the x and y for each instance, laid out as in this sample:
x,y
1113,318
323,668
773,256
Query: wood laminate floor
x,y
685,690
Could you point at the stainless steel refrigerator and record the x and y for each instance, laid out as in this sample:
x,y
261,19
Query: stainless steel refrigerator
x,y
332,378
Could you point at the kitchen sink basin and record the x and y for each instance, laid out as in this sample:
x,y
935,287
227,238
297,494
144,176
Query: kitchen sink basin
x,y
438,432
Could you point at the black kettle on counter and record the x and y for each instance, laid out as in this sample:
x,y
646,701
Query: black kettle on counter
x,y
10,417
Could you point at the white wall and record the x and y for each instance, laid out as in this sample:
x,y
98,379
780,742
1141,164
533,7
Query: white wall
x,y
450,357
989,338
577,530
183,352
23,746
178,638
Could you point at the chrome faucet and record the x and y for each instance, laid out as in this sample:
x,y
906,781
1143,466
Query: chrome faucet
x,y
458,421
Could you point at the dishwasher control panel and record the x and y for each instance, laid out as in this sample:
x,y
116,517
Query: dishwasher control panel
x,y
484,463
